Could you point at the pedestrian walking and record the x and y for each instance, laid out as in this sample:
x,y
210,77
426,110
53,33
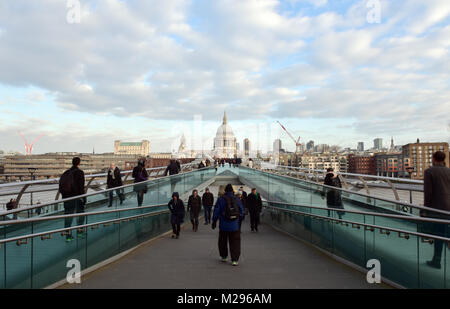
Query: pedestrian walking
x,y
194,207
228,210
140,175
177,212
208,202
114,180
437,196
334,199
254,205
71,185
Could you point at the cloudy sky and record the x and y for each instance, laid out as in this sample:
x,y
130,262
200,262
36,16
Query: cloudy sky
x,y
153,69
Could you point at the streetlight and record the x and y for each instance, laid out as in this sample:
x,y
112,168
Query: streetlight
x,y
32,170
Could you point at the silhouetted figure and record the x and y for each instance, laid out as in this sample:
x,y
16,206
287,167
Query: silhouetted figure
x,y
140,175
177,212
334,199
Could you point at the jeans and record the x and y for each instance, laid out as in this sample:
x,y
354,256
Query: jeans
x,y
71,207
119,194
207,214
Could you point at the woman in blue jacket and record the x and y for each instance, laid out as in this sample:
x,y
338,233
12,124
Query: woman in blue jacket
x,y
177,212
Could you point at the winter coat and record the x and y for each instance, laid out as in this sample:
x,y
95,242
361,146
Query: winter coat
x,y
78,183
140,175
177,211
116,181
254,203
208,199
219,214
194,206
437,187
333,196
172,169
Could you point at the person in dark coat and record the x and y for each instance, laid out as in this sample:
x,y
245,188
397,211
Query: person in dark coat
x,y
208,202
254,206
114,180
334,199
228,229
437,196
177,212
140,175
173,169
76,205
194,207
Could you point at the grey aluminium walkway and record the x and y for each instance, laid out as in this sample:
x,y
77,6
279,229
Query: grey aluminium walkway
x,y
269,260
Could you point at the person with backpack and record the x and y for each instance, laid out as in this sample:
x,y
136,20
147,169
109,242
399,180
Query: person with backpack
x,y
114,180
194,207
176,207
140,175
254,206
208,202
71,184
334,199
228,210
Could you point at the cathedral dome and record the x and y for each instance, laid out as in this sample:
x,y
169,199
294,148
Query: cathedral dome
x,y
225,142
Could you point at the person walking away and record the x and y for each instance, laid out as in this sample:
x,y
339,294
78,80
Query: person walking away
x,y
194,207
208,202
334,199
201,165
437,196
216,165
172,169
228,210
140,175
254,205
250,163
177,212
71,184
207,163
114,180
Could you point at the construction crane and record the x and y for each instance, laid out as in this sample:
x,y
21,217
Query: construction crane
x,y
297,142
29,147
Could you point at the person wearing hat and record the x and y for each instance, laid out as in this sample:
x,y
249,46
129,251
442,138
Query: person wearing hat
x,y
228,210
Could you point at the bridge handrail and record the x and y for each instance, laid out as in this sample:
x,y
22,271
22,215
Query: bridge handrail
x,y
79,227
361,194
53,180
84,226
384,228
405,180
9,212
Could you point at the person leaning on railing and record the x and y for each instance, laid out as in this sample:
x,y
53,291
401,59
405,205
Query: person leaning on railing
x,y
437,195
114,180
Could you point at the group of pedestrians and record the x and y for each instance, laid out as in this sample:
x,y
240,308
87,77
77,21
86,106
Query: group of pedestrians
x,y
231,162
230,210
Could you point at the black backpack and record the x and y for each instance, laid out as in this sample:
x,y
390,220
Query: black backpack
x,y
232,211
66,183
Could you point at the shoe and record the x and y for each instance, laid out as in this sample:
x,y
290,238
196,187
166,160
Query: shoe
x,y
235,263
178,236
224,260
173,235
206,223
434,264
69,238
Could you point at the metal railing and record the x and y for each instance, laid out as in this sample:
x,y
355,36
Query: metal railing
x,y
401,204
361,181
31,208
89,184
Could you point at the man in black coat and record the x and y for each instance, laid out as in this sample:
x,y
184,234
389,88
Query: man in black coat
x,y
437,195
140,175
114,180
74,177
254,205
173,169
334,198
194,207
208,202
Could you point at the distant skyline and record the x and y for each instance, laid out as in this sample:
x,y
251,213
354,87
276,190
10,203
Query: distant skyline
x,y
136,70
